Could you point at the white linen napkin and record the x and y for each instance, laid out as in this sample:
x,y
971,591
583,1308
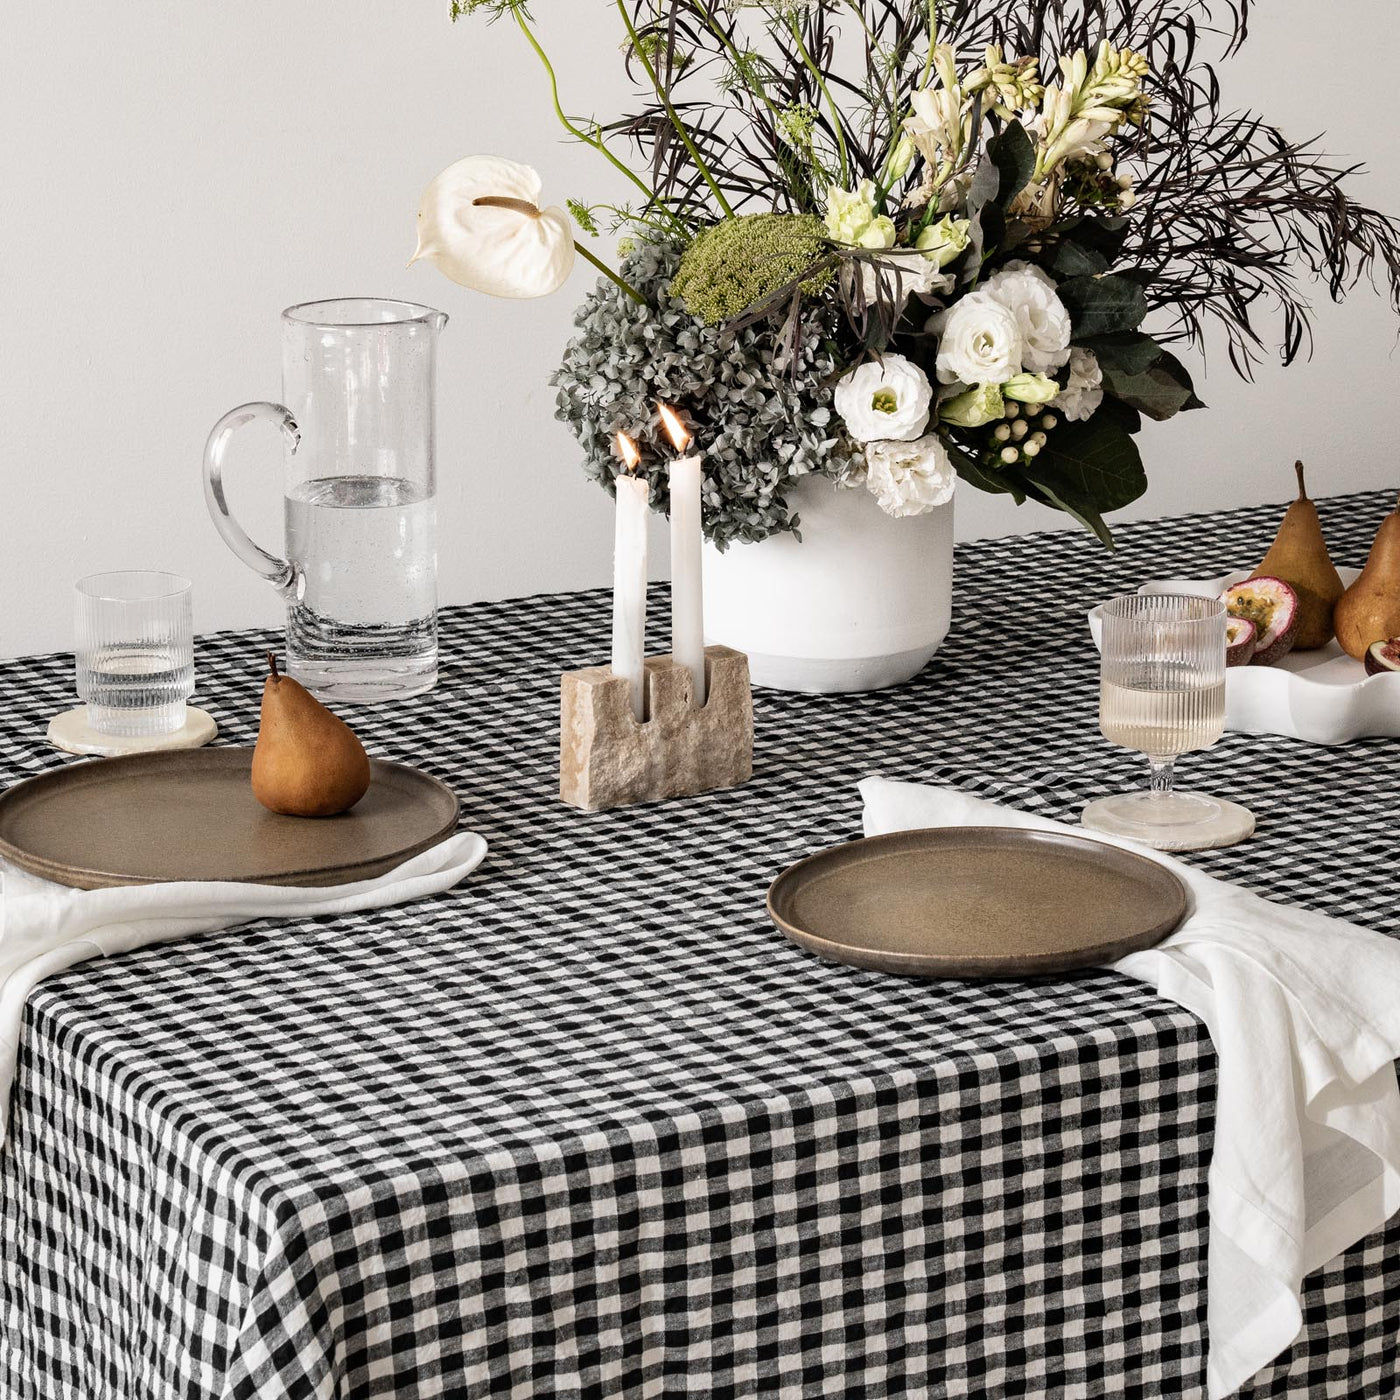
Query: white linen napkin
x,y
46,927
1304,1013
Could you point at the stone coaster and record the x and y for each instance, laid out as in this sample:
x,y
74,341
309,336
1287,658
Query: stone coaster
x,y
71,732
1229,827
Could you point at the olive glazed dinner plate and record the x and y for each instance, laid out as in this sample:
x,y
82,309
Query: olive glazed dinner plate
x,y
976,902
190,814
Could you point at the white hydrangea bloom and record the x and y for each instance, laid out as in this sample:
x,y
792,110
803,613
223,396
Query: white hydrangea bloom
x,y
1081,395
1031,297
909,478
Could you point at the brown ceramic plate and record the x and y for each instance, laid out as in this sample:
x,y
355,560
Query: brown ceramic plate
x,y
976,902
191,815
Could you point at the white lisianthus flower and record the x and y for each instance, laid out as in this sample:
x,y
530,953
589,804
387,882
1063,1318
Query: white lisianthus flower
x,y
944,241
1030,388
978,406
1082,394
851,218
909,478
1031,297
905,276
479,223
980,342
884,399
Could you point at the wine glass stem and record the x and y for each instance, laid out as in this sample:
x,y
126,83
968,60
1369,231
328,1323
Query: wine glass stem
x,y
1162,776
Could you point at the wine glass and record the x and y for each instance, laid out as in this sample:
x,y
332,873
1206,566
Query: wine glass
x,y
1162,692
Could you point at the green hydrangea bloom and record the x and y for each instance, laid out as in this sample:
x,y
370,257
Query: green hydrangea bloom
x,y
735,263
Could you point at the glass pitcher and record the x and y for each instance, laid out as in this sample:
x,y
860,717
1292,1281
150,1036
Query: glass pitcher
x,y
359,496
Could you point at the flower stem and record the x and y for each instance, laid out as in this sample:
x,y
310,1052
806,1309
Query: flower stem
x,y
671,112
816,73
598,145
610,274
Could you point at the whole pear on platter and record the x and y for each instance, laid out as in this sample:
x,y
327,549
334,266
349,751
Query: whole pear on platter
x,y
1369,611
307,761
1299,557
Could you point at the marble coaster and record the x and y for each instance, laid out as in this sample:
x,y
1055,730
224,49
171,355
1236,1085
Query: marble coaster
x,y
1229,827
71,732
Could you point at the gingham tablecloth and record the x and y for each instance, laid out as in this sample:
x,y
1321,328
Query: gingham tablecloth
x,y
588,1125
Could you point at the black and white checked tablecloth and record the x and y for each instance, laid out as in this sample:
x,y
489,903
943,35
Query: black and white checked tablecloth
x,y
588,1125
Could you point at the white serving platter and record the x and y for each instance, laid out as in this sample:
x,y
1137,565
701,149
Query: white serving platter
x,y
1320,697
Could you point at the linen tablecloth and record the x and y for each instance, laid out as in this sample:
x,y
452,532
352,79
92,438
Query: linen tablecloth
x,y
589,1126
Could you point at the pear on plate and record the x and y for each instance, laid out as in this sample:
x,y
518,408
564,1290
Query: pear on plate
x,y
1299,557
1369,611
307,762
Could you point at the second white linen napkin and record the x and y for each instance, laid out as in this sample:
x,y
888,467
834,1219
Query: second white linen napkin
x,y
1304,1014
46,927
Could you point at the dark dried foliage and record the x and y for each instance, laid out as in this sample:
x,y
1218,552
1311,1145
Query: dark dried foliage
x,y
1233,212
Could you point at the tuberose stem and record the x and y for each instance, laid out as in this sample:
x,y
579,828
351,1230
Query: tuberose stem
x,y
676,122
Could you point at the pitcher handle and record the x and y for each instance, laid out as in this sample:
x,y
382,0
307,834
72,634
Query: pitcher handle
x,y
278,572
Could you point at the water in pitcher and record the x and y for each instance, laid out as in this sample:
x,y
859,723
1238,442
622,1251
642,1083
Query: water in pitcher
x,y
362,626
1162,714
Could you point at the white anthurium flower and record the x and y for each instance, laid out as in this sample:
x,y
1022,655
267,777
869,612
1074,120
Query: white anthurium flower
x,y
979,341
884,399
480,224
1030,296
1082,394
910,478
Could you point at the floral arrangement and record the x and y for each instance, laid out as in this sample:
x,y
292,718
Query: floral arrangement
x,y
894,246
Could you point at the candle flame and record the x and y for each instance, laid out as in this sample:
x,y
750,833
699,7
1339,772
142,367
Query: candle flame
x,y
675,429
627,450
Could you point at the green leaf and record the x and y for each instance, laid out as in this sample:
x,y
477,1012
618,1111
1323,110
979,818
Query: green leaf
x,y
974,475
1088,469
986,181
1104,235
1155,392
1161,390
1014,158
1103,305
1130,352
1075,260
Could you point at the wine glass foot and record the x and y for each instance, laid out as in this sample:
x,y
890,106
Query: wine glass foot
x,y
1170,821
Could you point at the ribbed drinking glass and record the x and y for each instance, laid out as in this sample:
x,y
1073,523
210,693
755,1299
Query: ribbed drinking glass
x,y
134,645
1162,693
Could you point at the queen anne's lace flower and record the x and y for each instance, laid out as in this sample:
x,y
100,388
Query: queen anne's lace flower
x,y
909,478
1082,394
885,399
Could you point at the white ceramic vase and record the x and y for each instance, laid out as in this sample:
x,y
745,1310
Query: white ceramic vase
x,y
861,602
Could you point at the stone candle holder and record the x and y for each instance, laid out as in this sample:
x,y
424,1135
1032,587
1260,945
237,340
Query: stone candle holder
x,y
608,759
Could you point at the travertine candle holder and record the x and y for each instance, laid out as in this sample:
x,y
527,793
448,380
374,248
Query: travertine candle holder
x,y
608,759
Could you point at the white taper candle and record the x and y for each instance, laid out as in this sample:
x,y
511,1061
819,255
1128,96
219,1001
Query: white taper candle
x,y
687,593
630,581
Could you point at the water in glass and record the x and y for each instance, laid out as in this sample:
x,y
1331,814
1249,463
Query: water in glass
x,y
373,625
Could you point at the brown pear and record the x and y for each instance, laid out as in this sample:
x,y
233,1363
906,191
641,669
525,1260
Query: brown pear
x,y
1369,611
307,763
1299,557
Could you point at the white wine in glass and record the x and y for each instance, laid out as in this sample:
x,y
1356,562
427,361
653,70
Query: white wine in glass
x,y
1162,693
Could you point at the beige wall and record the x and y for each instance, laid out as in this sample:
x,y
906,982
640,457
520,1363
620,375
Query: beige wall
x,y
172,175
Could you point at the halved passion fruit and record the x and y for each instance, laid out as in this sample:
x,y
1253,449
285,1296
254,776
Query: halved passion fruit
x,y
1272,606
1241,637
1383,656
